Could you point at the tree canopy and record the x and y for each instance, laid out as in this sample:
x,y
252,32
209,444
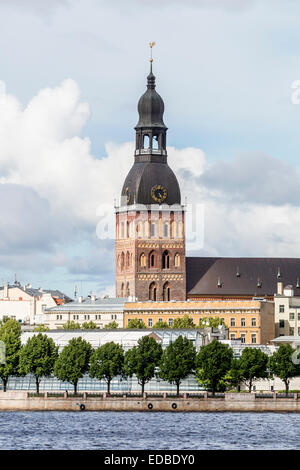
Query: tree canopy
x,y
111,326
252,366
38,357
106,362
177,361
184,322
73,361
10,335
161,325
142,360
213,322
212,363
136,323
282,366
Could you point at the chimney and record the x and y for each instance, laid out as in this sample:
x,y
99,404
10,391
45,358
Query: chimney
x,y
279,288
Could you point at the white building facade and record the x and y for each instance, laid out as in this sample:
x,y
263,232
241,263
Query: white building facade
x,y
25,304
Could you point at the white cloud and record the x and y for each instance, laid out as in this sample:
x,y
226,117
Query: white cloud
x,y
52,186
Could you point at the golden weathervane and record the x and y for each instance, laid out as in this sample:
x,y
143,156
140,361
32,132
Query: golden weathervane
x,y
151,44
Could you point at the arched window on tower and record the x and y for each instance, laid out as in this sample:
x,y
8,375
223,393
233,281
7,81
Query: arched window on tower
x,y
166,260
146,142
177,260
152,260
122,289
127,290
122,261
155,142
143,260
153,291
166,292
127,259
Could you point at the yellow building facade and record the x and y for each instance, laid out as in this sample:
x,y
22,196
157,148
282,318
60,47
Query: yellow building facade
x,y
252,321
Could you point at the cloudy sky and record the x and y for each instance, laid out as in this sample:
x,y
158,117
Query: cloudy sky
x,y
71,74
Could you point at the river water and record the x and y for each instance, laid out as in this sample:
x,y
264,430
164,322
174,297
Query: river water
x,y
148,431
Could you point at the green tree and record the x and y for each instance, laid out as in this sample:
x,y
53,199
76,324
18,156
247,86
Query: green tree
x,y
73,361
282,366
184,322
161,325
252,365
142,360
177,361
40,328
71,325
4,319
213,322
212,363
233,376
38,357
106,362
10,335
89,325
111,326
136,323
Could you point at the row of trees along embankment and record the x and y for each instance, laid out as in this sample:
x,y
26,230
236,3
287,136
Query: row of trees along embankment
x,y
214,366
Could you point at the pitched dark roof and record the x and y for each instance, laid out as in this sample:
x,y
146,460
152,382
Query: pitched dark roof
x,y
241,276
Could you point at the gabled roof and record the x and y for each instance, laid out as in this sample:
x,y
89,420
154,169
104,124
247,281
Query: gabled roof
x,y
256,277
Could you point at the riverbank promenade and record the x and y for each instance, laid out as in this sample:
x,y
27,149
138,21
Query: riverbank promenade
x,y
151,402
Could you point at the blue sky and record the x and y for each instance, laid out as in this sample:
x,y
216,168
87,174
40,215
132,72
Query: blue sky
x,y
73,72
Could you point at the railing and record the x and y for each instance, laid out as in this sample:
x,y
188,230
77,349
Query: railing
x,y
264,395
284,395
216,395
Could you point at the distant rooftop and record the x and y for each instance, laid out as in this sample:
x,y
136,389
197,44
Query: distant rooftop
x,y
91,303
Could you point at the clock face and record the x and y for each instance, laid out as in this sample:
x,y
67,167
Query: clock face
x,y
159,193
128,195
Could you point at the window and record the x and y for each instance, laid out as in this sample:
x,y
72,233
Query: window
x,y
150,322
86,317
281,308
253,338
75,317
127,290
152,259
146,142
243,338
298,316
292,331
166,260
281,323
232,336
166,292
122,261
166,230
298,331
122,289
160,319
58,317
140,320
232,321
174,229
243,321
170,322
152,291
177,260
292,316
155,142
143,260
127,259
98,317
253,321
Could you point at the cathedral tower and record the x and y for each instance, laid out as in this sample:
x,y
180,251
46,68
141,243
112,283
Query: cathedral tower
x,y
150,237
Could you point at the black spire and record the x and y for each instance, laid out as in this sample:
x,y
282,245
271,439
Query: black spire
x,y
150,171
